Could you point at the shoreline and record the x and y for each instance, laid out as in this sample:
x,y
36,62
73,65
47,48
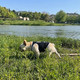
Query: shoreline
x,y
32,23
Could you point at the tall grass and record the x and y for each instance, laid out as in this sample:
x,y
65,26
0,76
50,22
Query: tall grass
x,y
30,23
17,65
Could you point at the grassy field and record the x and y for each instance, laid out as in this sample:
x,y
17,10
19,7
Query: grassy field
x,y
17,65
30,23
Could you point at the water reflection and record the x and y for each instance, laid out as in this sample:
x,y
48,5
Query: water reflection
x,y
49,31
59,33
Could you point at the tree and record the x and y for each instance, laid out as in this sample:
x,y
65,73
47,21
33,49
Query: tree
x,y
71,19
5,13
45,17
36,16
78,19
60,17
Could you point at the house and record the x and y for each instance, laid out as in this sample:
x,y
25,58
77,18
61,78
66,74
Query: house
x,y
20,17
24,18
52,18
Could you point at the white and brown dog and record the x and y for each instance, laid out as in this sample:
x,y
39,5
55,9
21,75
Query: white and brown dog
x,y
38,47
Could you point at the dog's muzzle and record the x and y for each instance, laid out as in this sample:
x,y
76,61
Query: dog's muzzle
x,y
21,49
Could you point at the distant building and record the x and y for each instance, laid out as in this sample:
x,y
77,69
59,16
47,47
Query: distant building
x,y
20,17
51,18
24,18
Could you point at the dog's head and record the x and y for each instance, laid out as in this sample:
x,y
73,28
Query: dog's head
x,y
24,46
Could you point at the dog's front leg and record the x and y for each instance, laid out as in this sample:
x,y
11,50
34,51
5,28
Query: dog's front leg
x,y
50,53
35,49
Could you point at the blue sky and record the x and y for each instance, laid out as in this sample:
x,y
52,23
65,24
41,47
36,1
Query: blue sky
x,y
49,6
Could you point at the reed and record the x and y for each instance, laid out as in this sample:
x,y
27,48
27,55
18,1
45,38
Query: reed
x,y
30,23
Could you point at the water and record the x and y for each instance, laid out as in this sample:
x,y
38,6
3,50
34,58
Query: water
x,y
49,31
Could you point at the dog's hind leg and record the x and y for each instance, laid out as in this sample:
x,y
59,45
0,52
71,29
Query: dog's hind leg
x,y
35,49
55,52
58,54
52,49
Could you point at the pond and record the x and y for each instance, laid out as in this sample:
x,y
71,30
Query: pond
x,y
47,31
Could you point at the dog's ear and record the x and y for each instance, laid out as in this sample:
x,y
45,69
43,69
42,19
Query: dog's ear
x,y
25,42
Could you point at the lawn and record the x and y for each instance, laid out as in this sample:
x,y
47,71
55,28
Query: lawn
x,y
17,65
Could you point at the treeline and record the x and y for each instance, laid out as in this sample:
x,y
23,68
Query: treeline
x,y
60,17
35,15
7,13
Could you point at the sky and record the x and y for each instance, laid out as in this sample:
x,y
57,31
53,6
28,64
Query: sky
x,y
48,6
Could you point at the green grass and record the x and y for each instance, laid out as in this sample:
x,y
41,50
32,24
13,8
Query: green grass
x,y
31,23
17,65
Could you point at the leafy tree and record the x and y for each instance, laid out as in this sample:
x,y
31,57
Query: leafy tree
x,y
30,15
71,19
45,17
36,16
60,17
5,13
78,19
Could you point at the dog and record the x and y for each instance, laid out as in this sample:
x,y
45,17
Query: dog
x,y
38,47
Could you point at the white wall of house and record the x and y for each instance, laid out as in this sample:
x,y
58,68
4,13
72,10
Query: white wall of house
x,y
24,18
